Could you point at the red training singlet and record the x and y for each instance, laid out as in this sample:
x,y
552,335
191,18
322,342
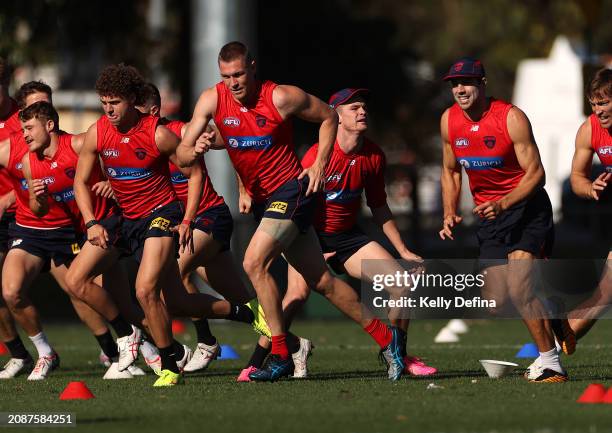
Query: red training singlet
x,y
9,125
346,176
259,142
486,151
23,215
210,197
57,173
601,141
137,171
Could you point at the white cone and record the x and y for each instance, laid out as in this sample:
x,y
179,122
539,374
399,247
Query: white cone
x,y
496,369
446,336
458,326
114,373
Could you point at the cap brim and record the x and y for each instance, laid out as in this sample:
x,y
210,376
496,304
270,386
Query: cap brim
x,y
450,76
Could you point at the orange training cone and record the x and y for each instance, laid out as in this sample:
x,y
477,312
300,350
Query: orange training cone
x,y
178,327
607,398
3,349
76,391
593,393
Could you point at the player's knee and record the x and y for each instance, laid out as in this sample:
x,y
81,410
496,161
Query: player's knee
x,y
13,295
253,266
324,284
146,295
75,285
298,294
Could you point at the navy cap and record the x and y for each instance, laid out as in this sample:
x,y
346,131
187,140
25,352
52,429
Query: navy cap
x,y
344,95
466,67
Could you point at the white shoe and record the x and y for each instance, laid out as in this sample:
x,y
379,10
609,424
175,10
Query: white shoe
x,y
300,359
136,370
15,366
44,366
202,357
181,363
114,373
128,348
534,370
154,364
104,360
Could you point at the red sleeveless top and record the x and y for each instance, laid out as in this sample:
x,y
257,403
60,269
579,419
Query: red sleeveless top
x,y
259,142
137,171
486,151
601,141
9,125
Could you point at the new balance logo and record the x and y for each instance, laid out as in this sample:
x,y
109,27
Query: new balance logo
x,y
474,128
125,139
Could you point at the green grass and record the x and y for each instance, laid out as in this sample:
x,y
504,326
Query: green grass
x,y
347,390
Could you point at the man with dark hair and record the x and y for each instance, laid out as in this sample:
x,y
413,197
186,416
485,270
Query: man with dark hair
x,y
494,142
135,150
31,92
594,137
254,119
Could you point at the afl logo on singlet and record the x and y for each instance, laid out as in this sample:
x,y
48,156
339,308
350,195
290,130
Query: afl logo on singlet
x,y
462,142
19,166
140,153
605,151
233,142
232,122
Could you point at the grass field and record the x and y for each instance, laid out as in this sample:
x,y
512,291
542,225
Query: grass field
x,y
347,390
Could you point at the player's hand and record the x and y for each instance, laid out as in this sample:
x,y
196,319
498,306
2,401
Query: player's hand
x,y
204,143
316,179
245,203
449,222
411,257
98,236
39,189
185,233
488,210
599,185
103,189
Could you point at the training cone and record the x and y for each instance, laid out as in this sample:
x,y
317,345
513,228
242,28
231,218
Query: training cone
x,y
458,326
594,393
446,336
228,352
529,350
76,391
178,327
607,398
3,349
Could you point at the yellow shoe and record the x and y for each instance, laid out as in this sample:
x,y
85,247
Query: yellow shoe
x,y
259,323
168,378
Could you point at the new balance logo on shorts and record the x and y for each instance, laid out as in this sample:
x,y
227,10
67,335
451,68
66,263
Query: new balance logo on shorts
x,y
16,242
160,223
278,206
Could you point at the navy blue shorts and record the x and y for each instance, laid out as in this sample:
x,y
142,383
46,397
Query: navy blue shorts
x,y
6,220
527,226
345,244
216,221
156,225
60,245
289,202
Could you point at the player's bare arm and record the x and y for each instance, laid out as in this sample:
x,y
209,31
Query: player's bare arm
x,y
451,182
291,100
37,189
196,141
384,218
167,143
580,177
88,157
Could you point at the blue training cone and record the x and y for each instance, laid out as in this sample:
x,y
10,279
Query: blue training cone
x,y
228,352
529,350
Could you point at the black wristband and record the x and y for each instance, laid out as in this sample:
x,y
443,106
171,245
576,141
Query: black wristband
x,y
91,223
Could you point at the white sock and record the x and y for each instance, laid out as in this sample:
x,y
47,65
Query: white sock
x,y
42,345
148,350
558,347
550,360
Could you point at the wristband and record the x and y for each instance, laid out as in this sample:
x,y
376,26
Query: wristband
x,y
91,223
187,222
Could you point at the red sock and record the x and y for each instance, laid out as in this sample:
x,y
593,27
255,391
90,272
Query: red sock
x,y
379,332
279,346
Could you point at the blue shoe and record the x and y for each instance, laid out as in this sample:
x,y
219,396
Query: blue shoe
x,y
392,355
275,368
